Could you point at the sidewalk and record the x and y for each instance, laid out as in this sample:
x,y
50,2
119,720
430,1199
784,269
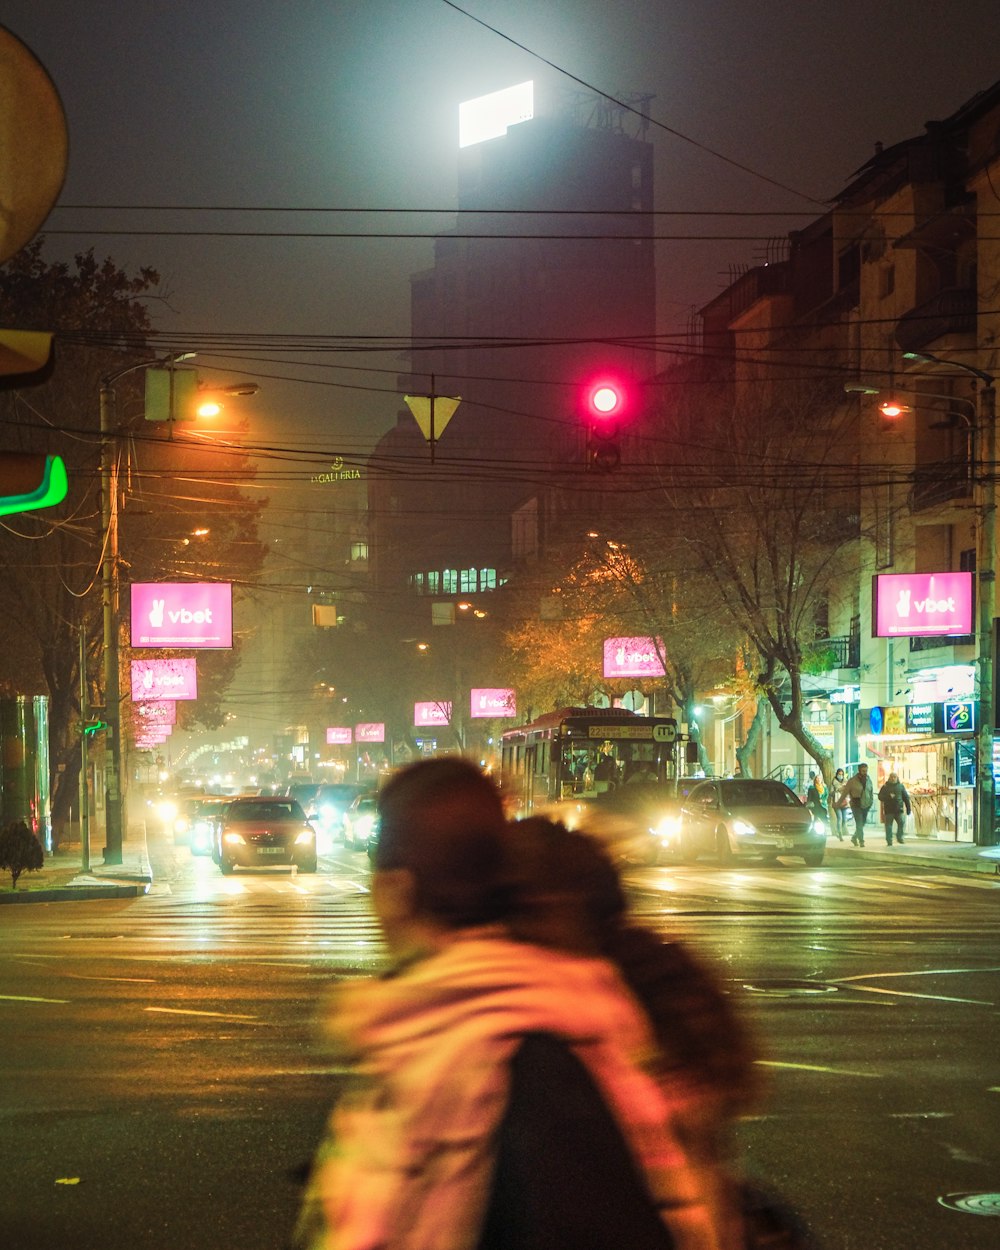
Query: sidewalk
x,y
925,852
62,878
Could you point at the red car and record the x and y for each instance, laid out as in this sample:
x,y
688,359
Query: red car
x,y
256,832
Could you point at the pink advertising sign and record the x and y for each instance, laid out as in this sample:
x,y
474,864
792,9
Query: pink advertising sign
x,y
373,731
633,657
490,702
164,679
431,714
144,741
338,737
182,614
155,712
920,605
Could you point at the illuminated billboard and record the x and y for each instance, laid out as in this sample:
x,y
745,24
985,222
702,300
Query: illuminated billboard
x,y
633,657
431,714
489,116
492,702
156,712
373,731
921,605
164,679
337,736
182,614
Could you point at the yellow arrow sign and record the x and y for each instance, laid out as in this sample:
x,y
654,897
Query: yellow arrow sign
x,y
425,407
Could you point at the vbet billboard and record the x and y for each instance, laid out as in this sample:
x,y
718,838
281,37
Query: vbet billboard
x,y
489,702
921,605
633,657
370,731
156,712
431,714
164,679
338,736
182,614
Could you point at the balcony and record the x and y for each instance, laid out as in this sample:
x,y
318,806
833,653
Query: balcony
x,y
826,655
951,311
941,483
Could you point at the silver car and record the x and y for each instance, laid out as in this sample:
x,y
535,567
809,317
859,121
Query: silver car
x,y
747,818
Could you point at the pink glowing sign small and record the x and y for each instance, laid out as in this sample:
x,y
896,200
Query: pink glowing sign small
x,y
633,657
491,702
921,605
164,679
182,614
372,731
431,714
337,736
156,712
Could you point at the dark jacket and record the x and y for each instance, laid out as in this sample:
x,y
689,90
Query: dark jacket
x,y
894,799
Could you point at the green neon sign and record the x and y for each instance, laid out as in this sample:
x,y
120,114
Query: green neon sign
x,y
29,481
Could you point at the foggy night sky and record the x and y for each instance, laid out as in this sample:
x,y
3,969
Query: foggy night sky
x,y
354,103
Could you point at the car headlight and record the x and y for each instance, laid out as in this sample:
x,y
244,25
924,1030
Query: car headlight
x,y
744,829
818,827
306,838
667,828
231,838
364,825
166,810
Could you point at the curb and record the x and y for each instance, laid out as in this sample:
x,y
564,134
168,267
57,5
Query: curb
x,y
74,893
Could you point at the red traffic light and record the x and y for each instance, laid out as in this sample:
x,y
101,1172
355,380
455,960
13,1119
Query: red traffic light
x,y
605,398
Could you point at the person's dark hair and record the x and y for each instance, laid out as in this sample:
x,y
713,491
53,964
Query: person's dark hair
x,y
569,895
443,820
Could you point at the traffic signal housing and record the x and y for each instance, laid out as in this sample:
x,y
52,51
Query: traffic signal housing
x,y
30,480
605,402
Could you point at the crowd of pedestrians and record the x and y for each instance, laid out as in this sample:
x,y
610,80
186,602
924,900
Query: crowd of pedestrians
x,y
857,795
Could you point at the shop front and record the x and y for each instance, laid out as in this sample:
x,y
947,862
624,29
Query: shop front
x,y
932,748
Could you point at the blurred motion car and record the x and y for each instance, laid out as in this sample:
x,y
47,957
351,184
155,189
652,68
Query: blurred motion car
x,y
360,819
205,822
743,818
259,832
637,820
174,812
325,809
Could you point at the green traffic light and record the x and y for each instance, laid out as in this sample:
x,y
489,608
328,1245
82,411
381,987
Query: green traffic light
x,y
29,481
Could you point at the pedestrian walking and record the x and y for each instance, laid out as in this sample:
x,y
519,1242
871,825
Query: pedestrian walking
x,y
861,796
895,807
498,1095
816,797
838,807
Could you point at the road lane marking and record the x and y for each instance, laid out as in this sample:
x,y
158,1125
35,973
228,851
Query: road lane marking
x,y
190,1011
812,1067
29,998
938,998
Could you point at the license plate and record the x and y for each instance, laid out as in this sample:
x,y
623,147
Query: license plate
x,y
785,844
270,850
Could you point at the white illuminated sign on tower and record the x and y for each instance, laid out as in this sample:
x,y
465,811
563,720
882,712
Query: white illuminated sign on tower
x,y
488,116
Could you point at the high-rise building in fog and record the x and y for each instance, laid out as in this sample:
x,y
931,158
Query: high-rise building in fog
x,y
547,276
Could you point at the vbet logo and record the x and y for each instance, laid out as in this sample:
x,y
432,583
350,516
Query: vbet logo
x,y
182,614
493,702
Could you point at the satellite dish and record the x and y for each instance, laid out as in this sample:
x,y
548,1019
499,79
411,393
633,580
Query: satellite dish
x,y
33,145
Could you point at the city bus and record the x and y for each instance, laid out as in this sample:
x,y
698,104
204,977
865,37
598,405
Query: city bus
x,y
581,752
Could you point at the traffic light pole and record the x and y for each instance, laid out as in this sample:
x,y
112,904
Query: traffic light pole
x,y
84,757
986,814
109,602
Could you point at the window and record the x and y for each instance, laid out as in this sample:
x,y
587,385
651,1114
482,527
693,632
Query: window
x,y
487,579
887,280
433,582
359,551
449,582
468,582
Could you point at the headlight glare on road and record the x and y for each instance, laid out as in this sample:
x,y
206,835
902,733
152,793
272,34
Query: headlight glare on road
x,y
743,829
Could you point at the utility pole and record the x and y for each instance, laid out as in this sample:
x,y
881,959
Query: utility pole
x,y
109,603
986,814
84,756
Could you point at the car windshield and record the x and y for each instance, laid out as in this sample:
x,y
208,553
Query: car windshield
x,y
337,792
758,794
271,810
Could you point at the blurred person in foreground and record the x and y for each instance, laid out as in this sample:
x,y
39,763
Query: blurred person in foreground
x,y
569,896
501,1098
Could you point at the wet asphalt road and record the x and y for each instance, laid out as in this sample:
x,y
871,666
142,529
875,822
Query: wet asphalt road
x,y
162,1075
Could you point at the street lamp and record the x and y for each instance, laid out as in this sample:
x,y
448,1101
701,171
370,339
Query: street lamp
x,y
986,454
